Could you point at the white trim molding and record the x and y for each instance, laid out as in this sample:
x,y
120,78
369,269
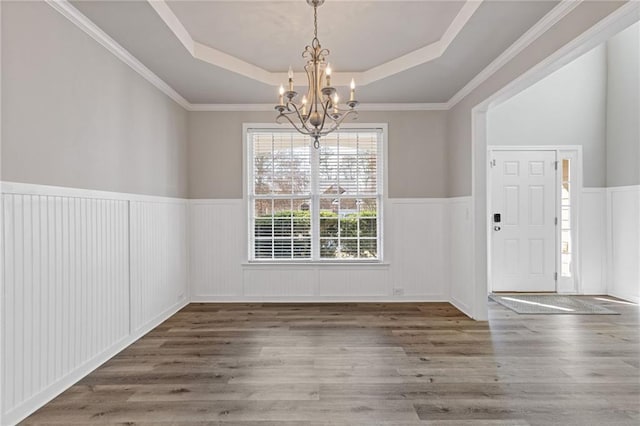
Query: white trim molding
x,y
619,19
67,10
422,55
362,107
615,22
231,63
550,19
64,191
2,280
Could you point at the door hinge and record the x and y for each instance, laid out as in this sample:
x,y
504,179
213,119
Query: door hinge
x,y
556,221
492,163
555,164
555,276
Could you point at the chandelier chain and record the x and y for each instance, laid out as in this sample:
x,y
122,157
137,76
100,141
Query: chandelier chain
x,y
315,21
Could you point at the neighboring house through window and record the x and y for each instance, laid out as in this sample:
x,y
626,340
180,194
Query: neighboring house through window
x,y
312,204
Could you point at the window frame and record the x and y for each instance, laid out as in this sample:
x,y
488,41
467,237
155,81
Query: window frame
x,y
248,197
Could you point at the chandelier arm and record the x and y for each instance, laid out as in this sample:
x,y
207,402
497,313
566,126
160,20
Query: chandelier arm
x,y
294,124
300,117
303,122
338,122
345,110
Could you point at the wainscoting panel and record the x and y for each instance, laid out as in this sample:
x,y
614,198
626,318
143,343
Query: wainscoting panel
x,y
623,217
461,281
86,273
419,235
66,289
158,259
279,282
413,268
354,281
217,248
593,241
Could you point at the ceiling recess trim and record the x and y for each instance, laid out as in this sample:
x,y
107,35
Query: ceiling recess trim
x,y
231,63
550,19
206,53
424,54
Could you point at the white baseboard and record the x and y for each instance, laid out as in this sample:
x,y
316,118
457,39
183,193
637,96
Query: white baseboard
x,y
318,299
462,307
629,297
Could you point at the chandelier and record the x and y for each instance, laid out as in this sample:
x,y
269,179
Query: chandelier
x,y
319,112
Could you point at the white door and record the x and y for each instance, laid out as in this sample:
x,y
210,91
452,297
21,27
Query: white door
x,y
524,234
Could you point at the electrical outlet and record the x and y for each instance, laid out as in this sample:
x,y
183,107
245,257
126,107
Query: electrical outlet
x,y
398,291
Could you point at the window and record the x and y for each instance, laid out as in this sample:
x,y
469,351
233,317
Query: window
x,y
312,204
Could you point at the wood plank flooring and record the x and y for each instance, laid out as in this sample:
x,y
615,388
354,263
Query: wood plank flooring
x,y
366,364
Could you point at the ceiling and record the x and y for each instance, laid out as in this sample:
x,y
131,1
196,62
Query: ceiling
x,y
237,52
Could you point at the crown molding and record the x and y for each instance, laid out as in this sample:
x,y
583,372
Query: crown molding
x,y
341,1
231,107
361,107
612,24
404,107
554,16
67,10
549,20
236,65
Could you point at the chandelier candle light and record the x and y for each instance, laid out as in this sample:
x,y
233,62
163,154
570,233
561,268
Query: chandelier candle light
x,y
324,114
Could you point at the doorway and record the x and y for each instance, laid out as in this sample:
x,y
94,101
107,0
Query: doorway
x,y
532,211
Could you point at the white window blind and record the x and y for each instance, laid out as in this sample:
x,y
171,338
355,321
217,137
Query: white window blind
x,y
308,204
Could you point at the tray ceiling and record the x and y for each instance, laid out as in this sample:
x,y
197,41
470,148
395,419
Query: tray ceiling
x,y
360,35
237,52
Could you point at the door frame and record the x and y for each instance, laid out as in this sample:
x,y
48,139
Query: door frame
x,y
565,285
616,21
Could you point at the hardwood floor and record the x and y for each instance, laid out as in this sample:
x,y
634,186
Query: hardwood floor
x,y
382,364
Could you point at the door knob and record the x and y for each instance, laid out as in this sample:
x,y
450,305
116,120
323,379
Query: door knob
x,y
496,228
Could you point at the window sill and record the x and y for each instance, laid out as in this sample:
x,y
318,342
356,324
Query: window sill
x,y
307,264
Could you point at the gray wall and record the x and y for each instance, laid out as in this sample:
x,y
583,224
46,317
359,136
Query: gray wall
x,y
74,115
567,107
416,152
459,118
623,108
